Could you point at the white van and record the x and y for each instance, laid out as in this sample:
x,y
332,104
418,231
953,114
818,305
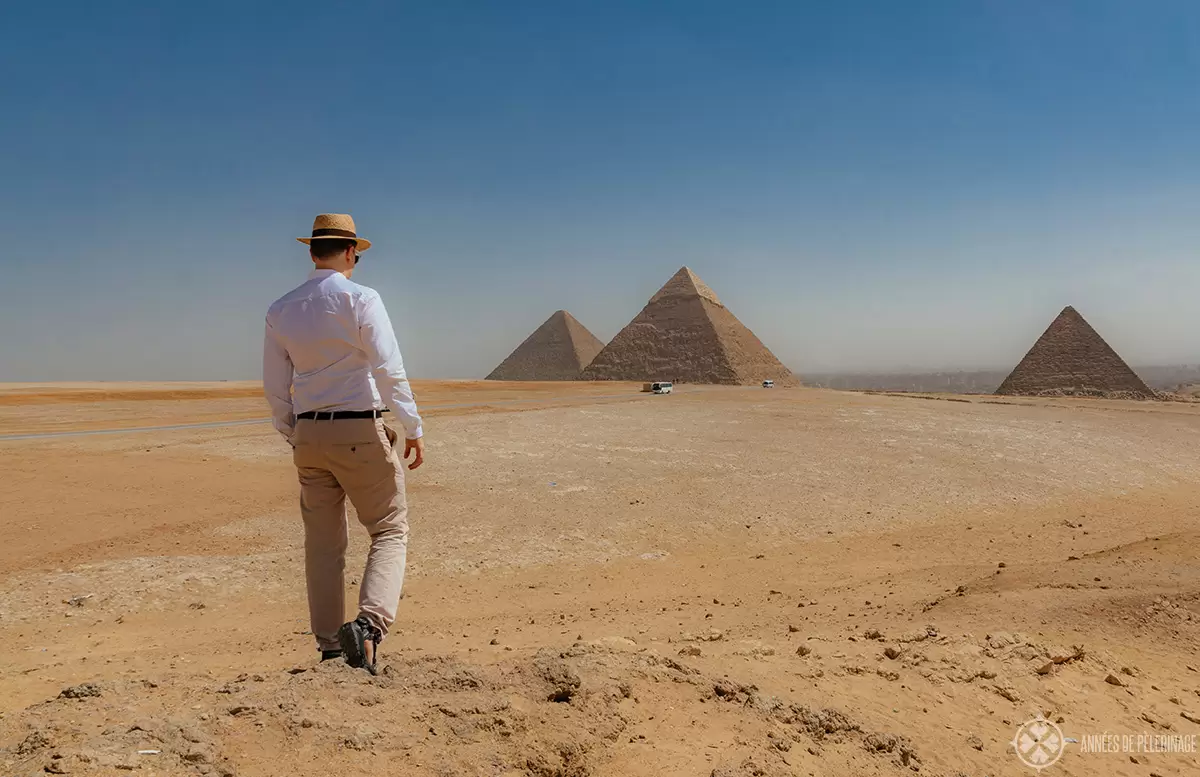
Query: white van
x,y
768,384
661,387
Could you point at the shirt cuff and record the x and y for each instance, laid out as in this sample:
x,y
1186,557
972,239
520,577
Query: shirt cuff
x,y
414,434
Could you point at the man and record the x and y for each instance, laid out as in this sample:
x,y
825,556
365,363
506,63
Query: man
x,y
330,365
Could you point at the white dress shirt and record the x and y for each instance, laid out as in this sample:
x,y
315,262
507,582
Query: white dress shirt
x,y
329,345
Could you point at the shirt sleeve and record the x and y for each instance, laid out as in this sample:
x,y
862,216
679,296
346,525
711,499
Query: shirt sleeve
x,y
383,354
277,382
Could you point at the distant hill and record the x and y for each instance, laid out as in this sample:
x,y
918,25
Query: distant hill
x,y
1159,378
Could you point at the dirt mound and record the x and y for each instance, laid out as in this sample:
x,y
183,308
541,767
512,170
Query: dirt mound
x,y
557,350
554,713
686,335
1072,359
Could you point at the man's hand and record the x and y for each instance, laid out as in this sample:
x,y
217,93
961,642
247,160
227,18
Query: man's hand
x,y
417,445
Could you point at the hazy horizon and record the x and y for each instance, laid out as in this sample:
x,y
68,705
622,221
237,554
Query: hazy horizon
x,y
871,187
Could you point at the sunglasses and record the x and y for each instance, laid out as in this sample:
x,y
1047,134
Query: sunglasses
x,y
357,256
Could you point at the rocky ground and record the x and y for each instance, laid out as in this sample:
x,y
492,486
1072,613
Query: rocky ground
x,y
716,582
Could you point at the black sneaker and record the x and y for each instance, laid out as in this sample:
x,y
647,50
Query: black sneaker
x,y
360,642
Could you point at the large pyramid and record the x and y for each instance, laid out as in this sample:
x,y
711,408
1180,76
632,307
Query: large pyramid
x,y
685,334
1071,359
557,350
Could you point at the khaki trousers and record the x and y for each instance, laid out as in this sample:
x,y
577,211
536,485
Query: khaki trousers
x,y
355,458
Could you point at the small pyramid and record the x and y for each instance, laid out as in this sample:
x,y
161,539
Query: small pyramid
x,y
557,350
1072,359
685,334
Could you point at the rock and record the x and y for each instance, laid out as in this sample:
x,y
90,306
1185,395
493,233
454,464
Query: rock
x,y
891,652
873,634
731,691
36,740
494,642
889,743
1007,693
192,734
803,650
360,739
82,691
690,650
792,629
975,742
1190,718
1112,679
1002,565
1001,639
1127,671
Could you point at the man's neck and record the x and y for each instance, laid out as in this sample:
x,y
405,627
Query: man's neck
x,y
319,267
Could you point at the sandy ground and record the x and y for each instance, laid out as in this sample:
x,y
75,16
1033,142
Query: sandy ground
x,y
725,582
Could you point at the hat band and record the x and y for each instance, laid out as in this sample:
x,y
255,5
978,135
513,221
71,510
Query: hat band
x,y
333,233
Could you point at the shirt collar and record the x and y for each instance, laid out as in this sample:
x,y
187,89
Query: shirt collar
x,y
321,274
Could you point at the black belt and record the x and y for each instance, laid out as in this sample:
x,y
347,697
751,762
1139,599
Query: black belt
x,y
334,415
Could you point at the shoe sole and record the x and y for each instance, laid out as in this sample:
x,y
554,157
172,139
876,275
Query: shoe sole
x,y
350,637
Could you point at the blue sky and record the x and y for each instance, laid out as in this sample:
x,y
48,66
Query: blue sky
x,y
867,185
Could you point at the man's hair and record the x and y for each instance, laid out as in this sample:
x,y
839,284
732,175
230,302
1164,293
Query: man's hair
x,y
328,246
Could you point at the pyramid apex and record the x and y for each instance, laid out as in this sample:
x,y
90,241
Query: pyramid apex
x,y
685,283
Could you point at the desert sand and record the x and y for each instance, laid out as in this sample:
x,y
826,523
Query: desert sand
x,y
723,581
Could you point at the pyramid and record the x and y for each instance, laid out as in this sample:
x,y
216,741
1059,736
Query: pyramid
x,y
1071,359
557,350
684,334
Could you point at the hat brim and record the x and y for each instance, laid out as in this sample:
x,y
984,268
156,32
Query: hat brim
x,y
361,243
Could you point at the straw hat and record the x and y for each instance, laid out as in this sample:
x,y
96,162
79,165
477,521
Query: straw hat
x,y
336,226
